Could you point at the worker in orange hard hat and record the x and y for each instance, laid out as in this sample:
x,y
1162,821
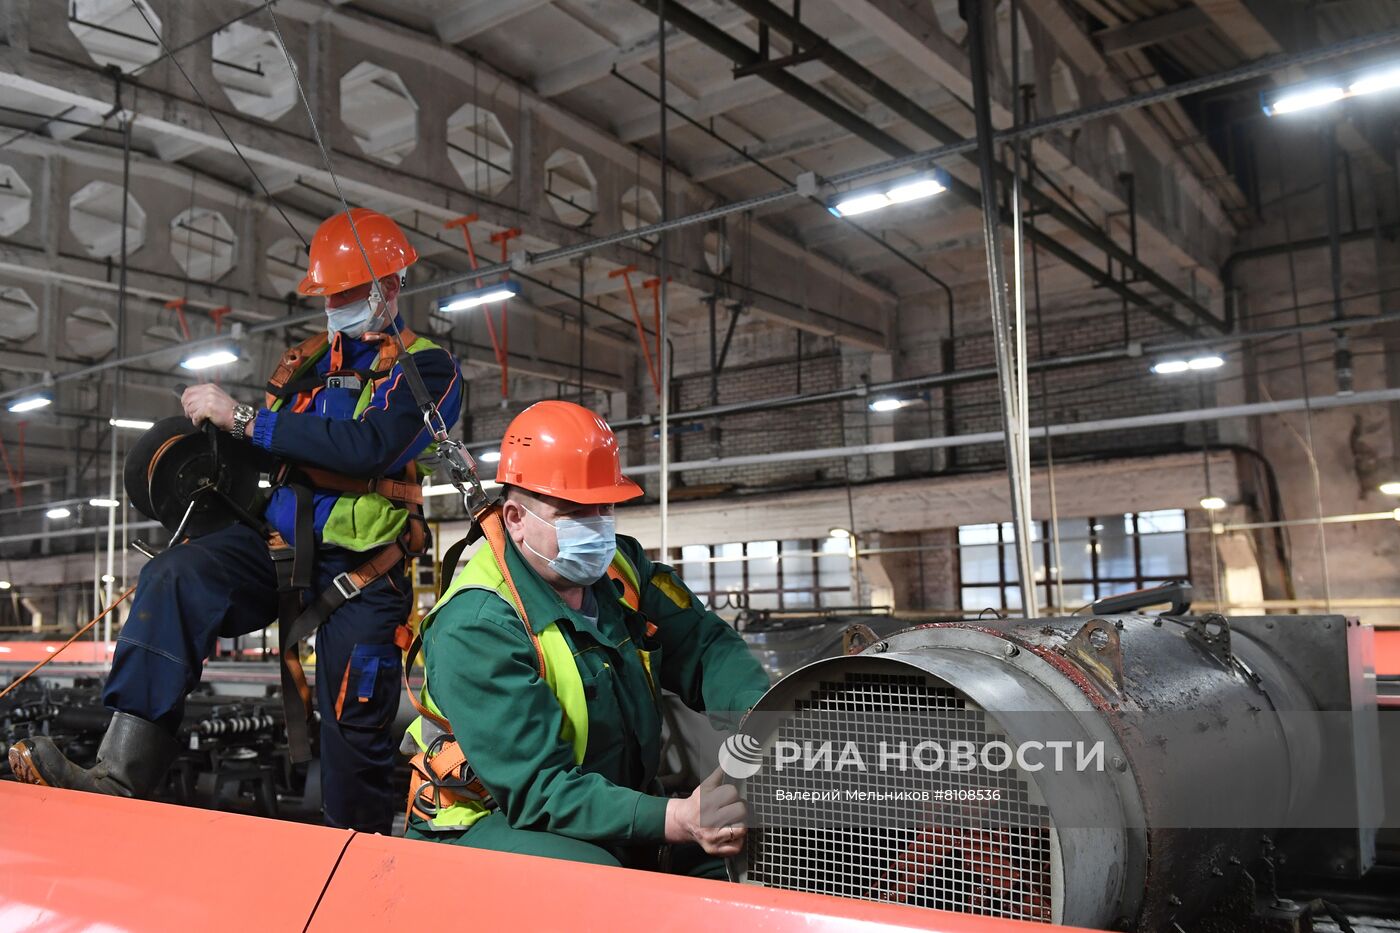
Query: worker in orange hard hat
x,y
327,554
540,725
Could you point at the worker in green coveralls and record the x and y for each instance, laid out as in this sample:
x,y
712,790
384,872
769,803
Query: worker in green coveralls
x,y
541,718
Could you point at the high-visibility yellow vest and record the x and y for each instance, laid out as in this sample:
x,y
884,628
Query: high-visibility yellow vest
x,y
560,671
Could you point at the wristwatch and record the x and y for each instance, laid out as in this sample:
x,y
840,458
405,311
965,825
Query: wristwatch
x,y
242,415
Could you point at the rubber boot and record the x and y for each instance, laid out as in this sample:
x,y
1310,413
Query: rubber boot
x,y
131,762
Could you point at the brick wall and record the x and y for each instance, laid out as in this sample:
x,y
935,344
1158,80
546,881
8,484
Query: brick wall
x,y
809,426
1112,389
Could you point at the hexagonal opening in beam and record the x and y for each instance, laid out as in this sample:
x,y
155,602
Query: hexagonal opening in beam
x,y
203,243
90,333
480,149
376,107
19,316
95,217
570,187
250,67
641,209
285,265
114,32
15,201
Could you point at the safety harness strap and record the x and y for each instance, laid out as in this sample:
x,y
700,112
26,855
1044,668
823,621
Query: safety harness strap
x,y
305,536
293,360
395,490
450,559
297,624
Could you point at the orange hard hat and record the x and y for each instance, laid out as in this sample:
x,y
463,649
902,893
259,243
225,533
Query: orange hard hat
x,y
336,263
564,450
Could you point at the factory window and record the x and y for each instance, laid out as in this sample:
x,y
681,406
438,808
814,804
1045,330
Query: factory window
x,y
1100,556
795,575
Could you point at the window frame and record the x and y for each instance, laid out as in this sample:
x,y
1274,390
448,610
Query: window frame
x,y
822,596
1102,585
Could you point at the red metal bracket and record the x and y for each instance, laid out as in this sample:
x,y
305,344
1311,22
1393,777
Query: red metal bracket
x,y
625,273
178,305
500,344
653,285
464,224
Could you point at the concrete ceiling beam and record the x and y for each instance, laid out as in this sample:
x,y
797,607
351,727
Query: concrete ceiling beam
x,y
470,19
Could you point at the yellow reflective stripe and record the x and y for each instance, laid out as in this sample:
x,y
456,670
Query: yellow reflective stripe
x,y
561,673
675,591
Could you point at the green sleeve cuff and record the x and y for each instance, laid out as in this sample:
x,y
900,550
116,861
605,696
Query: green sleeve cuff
x,y
649,819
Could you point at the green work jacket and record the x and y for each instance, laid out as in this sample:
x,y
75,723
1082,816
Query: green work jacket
x,y
482,675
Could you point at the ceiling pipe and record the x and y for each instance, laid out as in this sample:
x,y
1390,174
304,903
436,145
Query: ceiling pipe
x,y
1159,419
1131,351
1188,416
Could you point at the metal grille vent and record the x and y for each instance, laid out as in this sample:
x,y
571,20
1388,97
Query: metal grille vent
x,y
990,857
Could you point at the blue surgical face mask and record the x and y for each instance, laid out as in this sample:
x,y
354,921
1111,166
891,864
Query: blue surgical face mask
x,y
586,547
353,320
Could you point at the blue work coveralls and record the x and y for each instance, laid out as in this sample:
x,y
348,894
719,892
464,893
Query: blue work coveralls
x,y
223,585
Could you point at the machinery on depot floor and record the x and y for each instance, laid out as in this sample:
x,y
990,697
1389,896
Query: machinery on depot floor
x,y
1232,771
234,747
1232,780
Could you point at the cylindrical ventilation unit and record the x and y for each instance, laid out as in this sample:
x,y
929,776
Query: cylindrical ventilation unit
x,y
1120,773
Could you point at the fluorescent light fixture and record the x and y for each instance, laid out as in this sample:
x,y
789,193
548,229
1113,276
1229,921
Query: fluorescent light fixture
x,y
58,512
838,533
1329,91
1170,367
1212,503
860,204
210,357
915,190
487,294
132,424
1391,488
886,403
5,584
1195,364
1292,100
490,456
896,191
1395,515
31,402
1374,82
104,503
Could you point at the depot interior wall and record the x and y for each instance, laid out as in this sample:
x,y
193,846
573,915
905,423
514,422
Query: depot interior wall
x,y
1354,448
